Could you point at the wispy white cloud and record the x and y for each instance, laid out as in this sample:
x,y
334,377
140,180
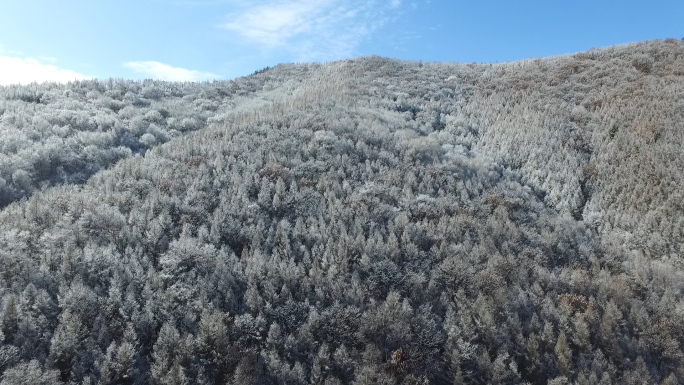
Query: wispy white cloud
x,y
272,25
312,29
156,70
15,70
200,3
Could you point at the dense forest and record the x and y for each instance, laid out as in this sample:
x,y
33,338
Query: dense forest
x,y
367,221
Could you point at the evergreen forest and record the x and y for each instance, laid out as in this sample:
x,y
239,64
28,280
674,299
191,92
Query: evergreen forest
x,y
365,221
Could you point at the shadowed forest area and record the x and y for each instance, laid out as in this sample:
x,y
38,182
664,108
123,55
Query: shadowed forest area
x,y
367,221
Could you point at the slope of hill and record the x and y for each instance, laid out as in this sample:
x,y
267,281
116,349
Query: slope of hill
x,y
373,221
52,134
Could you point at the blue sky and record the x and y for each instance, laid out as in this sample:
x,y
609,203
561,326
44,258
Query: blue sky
x,y
222,39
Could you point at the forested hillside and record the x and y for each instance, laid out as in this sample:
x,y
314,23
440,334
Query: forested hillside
x,y
63,133
368,221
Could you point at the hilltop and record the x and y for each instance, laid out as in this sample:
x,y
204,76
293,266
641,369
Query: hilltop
x,y
363,221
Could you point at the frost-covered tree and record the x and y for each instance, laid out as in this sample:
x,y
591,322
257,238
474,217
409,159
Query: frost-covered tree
x,y
363,221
